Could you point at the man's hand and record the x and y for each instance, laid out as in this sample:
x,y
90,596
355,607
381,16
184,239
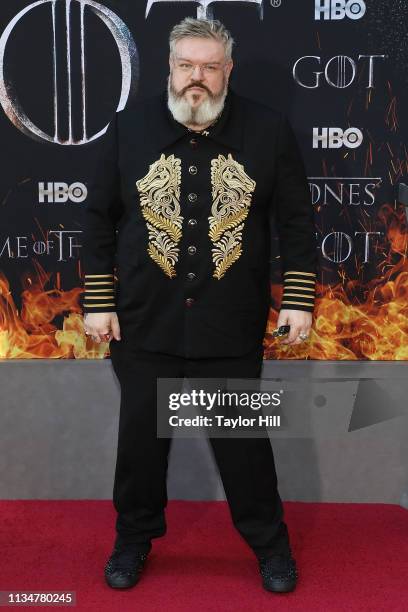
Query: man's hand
x,y
102,326
300,322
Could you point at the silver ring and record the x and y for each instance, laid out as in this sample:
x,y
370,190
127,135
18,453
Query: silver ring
x,y
303,336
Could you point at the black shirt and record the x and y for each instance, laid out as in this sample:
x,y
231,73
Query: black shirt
x,y
177,227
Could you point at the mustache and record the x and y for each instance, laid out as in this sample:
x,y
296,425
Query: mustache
x,y
195,85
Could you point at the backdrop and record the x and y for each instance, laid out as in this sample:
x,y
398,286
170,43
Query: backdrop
x,y
338,69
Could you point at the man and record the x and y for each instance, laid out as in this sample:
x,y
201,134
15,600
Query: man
x,y
176,257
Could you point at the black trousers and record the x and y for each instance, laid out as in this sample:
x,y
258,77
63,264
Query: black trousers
x,y
246,465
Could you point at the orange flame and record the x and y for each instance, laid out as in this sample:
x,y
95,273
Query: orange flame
x,y
32,334
376,329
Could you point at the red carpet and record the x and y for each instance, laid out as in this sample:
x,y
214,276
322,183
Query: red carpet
x,y
350,557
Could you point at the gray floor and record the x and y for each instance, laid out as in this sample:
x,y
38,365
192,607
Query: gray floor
x,y
59,418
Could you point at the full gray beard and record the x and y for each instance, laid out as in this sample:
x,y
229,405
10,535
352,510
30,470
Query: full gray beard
x,y
206,112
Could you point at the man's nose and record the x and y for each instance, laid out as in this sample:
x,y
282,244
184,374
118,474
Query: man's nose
x,y
197,73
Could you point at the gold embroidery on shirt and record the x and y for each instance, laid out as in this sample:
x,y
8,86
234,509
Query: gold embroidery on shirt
x,y
159,194
232,191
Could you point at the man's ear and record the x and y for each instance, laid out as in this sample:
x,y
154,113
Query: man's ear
x,y
230,66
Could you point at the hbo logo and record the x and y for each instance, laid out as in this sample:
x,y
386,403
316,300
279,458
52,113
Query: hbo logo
x,y
61,192
335,138
339,9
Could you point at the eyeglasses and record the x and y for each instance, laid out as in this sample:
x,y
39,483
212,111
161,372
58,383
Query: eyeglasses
x,y
188,68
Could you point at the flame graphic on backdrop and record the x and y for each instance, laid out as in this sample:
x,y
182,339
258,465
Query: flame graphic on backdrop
x,y
374,329
31,333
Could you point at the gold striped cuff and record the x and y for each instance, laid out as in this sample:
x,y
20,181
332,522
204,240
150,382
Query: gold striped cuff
x,y
299,290
99,292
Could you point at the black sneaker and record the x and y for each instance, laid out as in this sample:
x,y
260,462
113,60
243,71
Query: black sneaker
x,y
279,573
124,567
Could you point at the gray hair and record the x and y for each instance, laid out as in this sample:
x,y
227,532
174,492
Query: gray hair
x,y
202,28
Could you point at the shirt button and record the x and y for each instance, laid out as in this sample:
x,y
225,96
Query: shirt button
x,y
194,142
192,169
191,276
192,197
189,301
191,250
192,221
